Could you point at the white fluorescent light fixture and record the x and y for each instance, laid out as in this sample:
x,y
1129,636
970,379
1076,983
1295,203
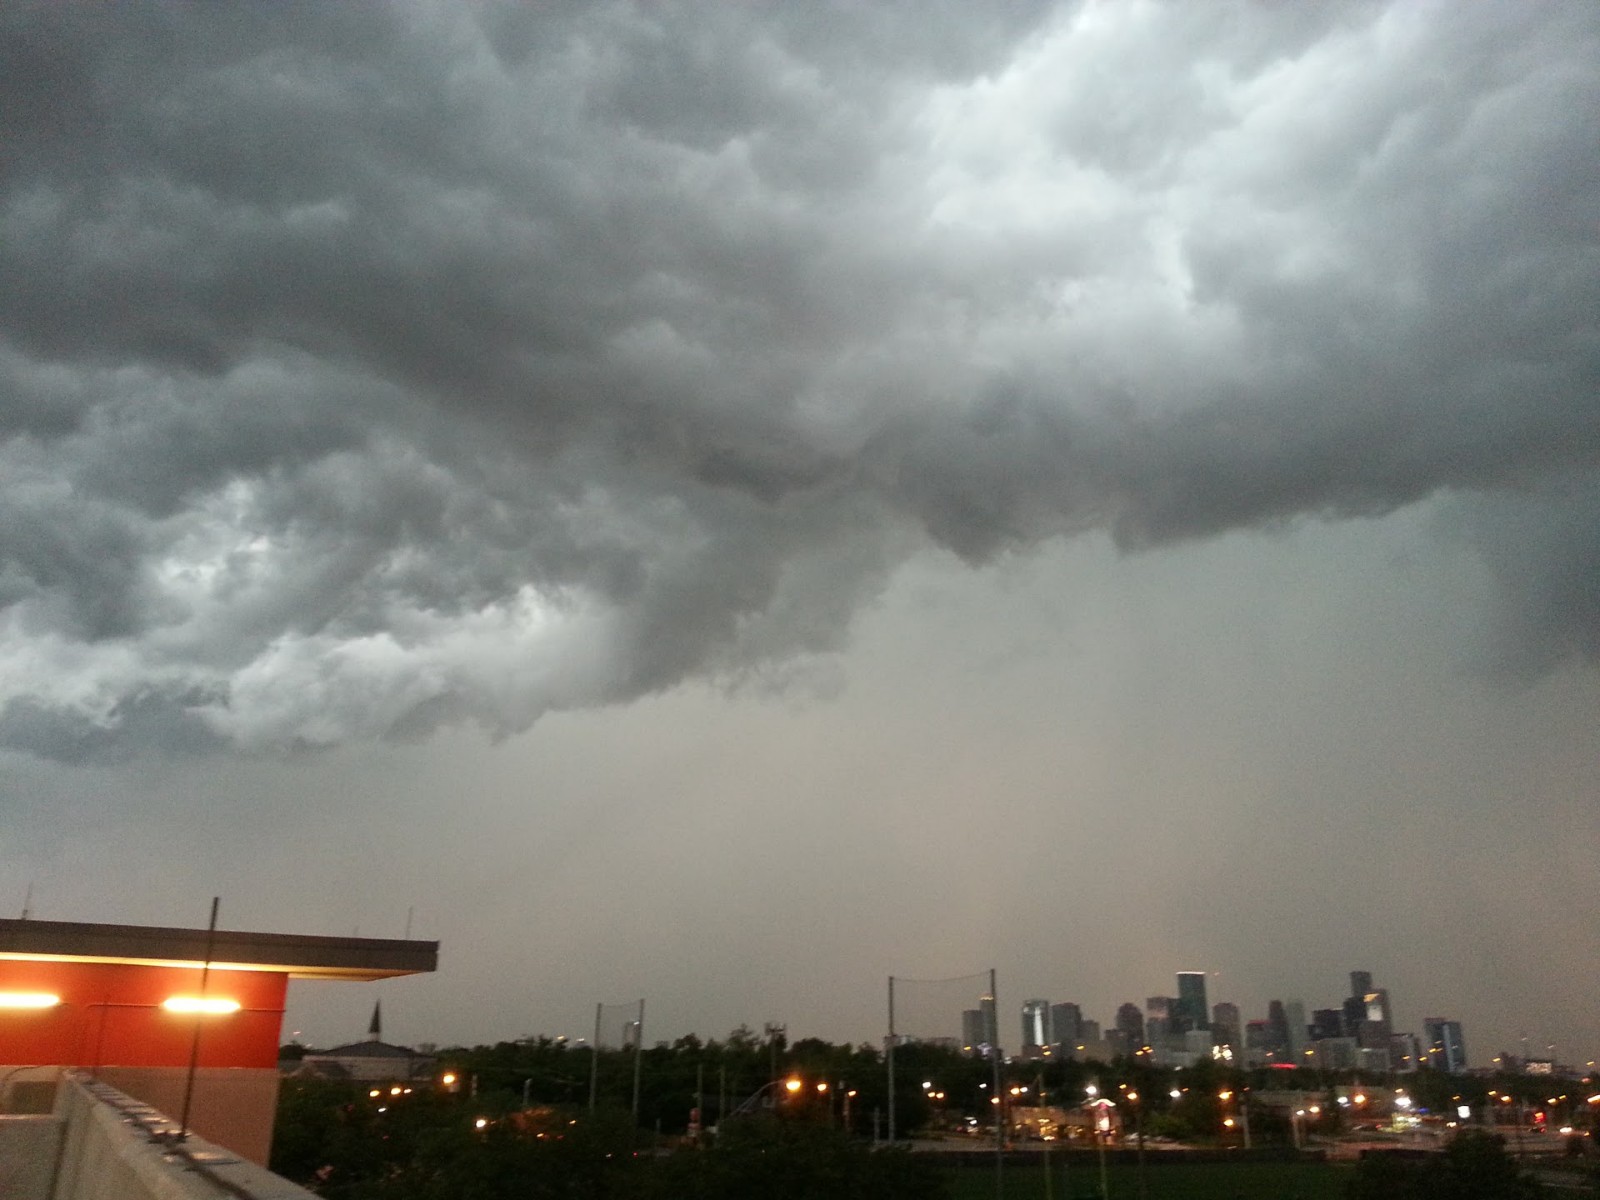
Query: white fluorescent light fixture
x,y
29,1000
199,1004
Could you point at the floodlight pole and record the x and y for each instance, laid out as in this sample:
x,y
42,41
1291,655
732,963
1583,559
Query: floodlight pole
x,y
638,1052
1000,1101
594,1058
888,1054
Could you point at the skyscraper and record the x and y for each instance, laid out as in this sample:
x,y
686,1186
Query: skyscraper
x,y
1160,1019
1378,1026
1327,1023
1294,1013
1193,1012
972,1029
1036,1023
1130,1022
1066,1020
1277,1031
1445,1049
991,1022
1225,1024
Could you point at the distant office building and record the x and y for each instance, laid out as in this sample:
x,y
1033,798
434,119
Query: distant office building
x,y
1161,1020
1377,1028
1333,1054
1373,1058
1277,1031
974,1036
1088,1031
1225,1024
1445,1050
1326,1023
1354,1009
1130,1023
1065,1019
991,1021
1036,1023
1257,1040
1377,1002
1294,1015
1405,1052
1351,1013
1197,1044
1193,1012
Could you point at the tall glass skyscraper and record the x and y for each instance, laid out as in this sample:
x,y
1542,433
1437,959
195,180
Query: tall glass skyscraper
x,y
1036,1023
1193,1011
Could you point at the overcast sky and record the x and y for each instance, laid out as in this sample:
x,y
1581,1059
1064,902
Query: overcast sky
x,y
729,502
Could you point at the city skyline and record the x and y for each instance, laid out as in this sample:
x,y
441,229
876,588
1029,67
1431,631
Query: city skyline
x,y
732,503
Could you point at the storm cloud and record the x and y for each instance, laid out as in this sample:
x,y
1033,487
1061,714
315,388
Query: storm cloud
x,y
365,368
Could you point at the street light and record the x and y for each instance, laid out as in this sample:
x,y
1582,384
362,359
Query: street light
x,y
1138,1132
1102,1123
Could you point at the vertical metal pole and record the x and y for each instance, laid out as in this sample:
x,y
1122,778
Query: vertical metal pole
x,y
594,1058
888,1054
1000,1107
1049,1185
1138,1117
638,1053
194,1045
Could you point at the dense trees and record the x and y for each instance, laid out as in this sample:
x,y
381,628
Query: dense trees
x,y
1474,1166
517,1121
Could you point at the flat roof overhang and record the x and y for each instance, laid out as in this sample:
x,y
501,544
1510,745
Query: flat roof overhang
x,y
296,955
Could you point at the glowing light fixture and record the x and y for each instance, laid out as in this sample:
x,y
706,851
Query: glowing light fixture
x,y
29,1000
206,1005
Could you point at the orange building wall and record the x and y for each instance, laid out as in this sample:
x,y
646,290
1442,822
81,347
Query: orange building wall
x,y
110,1015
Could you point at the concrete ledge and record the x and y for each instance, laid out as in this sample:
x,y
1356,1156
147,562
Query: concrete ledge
x,y
28,1149
116,1148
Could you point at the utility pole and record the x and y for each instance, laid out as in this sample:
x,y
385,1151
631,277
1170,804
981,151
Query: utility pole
x,y
773,1032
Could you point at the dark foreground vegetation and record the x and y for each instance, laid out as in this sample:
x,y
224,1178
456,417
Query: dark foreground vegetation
x,y
513,1122
345,1151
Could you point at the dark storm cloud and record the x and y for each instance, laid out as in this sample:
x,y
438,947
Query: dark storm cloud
x,y
368,367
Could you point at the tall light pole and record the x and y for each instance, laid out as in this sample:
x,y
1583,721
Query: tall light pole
x,y
1099,1106
1138,1129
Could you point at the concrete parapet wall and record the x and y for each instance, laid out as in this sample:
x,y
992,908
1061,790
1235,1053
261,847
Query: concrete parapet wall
x,y
116,1148
233,1106
28,1149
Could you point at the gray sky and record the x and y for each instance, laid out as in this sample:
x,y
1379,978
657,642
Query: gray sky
x,y
729,502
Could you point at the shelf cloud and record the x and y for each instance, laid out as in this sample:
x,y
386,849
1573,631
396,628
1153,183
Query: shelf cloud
x,y
368,368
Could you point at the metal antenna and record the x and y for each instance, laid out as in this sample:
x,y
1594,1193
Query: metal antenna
x,y
199,1016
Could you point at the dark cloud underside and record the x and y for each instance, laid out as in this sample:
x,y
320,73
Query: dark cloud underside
x,y
367,367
